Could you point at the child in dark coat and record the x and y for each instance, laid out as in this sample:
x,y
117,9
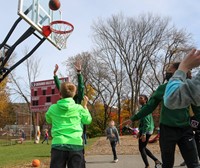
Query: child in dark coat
x,y
113,136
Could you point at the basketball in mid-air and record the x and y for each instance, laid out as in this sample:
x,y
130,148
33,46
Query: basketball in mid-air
x,y
54,4
36,163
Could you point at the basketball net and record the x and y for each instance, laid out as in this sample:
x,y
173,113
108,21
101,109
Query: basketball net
x,y
60,31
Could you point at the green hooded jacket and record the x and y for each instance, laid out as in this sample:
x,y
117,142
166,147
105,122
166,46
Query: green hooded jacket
x,y
67,119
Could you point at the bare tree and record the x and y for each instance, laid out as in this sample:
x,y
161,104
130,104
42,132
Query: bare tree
x,y
101,80
97,76
143,45
113,67
23,84
176,45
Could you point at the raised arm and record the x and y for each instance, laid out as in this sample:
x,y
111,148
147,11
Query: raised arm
x,y
151,105
180,93
56,80
80,94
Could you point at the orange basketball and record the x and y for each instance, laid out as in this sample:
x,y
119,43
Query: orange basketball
x,y
36,163
54,4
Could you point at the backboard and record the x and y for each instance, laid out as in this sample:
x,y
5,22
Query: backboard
x,y
38,14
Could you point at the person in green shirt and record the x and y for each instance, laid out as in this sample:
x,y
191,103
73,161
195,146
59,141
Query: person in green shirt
x,y
146,128
78,97
67,118
80,89
175,127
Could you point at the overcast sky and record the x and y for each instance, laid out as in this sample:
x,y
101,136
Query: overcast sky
x,y
82,13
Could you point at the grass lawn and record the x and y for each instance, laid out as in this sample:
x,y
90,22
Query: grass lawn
x,y
23,153
20,154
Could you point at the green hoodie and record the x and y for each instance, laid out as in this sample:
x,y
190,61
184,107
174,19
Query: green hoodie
x,y
173,118
146,125
67,119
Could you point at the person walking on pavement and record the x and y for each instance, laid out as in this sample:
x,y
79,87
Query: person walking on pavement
x,y
146,128
113,136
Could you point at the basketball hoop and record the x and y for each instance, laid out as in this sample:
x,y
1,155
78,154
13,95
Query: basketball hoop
x,y
60,31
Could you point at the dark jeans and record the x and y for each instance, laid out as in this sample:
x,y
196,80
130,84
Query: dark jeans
x,y
113,146
45,139
184,138
144,151
83,161
59,159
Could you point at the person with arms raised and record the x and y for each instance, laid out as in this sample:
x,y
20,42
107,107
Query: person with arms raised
x,y
67,118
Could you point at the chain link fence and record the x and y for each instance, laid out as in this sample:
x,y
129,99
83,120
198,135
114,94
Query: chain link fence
x,y
10,134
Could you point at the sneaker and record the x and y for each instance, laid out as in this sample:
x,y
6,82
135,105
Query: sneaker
x,y
116,160
158,165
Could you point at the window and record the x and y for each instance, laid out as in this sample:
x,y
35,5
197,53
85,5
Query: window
x,y
35,93
35,103
48,99
44,92
52,91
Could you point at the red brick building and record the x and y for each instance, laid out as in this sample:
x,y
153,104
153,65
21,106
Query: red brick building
x,y
43,94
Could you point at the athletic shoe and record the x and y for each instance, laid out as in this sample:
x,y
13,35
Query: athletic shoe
x,y
158,165
116,160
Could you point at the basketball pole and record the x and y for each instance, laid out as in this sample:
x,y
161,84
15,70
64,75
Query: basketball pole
x,y
28,33
22,60
13,28
4,71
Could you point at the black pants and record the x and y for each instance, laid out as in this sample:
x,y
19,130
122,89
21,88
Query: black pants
x,y
59,159
45,139
197,140
144,151
83,164
184,138
113,146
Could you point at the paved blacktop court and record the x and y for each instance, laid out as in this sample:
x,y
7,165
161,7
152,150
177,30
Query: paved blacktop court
x,y
125,161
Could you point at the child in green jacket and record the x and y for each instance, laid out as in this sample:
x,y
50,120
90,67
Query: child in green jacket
x,y
77,98
67,118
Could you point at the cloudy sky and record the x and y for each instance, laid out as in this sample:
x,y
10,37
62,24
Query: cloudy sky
x,y
82,13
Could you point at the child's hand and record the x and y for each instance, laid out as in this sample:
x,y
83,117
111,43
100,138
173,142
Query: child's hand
x,y
55,69
143,138
77,65
85,102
